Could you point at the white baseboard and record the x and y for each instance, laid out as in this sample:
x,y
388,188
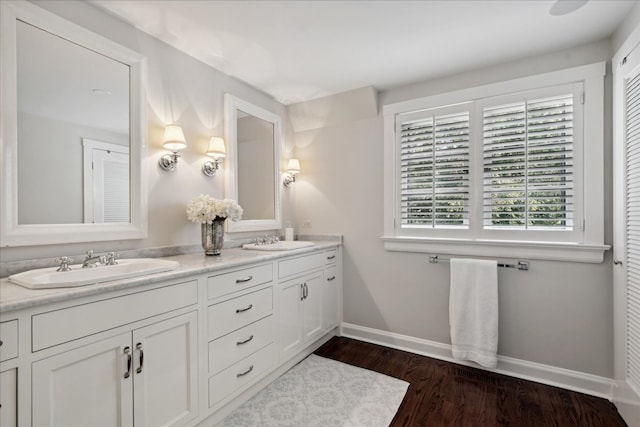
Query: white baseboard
x,y
558,377
627,400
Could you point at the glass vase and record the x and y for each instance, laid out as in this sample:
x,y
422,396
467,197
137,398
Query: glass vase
x,y
213,236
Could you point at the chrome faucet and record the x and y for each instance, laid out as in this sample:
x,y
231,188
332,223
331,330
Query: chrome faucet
x,y
93,261
64,262
267,240
111,258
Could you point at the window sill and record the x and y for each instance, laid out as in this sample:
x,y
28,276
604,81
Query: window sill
x,y
570,252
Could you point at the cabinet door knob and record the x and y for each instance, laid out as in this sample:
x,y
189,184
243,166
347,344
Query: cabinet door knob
x,y
141,360
127,351
242,310
242,374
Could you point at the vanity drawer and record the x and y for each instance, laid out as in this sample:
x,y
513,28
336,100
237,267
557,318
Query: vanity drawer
x,y
60,326
227,283
242,374
227,350
330,257
290,267
9,338
230,315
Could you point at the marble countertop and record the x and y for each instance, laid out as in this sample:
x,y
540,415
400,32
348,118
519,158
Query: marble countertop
x,y
15,297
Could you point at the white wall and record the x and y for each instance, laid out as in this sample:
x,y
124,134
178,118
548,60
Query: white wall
x,y
557,313
181,90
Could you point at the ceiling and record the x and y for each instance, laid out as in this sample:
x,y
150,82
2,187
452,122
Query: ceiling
x,y
301,50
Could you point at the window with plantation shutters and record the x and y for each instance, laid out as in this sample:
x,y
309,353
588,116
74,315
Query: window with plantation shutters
x,y
434,170
511,168
528,164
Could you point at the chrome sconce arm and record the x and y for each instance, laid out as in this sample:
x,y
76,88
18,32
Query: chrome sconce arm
x,y
210,167
289,179
169,162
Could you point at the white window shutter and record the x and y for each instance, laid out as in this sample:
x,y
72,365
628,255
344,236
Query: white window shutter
x,y
434,171
632,184
528,169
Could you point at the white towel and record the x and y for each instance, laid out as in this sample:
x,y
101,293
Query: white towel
x,y
473,310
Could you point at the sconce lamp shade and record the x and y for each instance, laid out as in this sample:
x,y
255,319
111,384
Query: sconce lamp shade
x,y
293,167
174,138
216,148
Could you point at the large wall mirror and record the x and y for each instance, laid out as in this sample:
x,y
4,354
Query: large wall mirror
x,y
73,132
253,135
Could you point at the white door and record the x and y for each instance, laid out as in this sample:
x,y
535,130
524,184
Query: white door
x,y
106,182
88,386
626,65
312,306
165,367
288,317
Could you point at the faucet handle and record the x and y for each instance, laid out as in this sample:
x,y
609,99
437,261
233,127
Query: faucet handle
x,y
111,258
64,262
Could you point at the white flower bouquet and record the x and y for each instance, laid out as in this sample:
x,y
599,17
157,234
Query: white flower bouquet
x,y
204,209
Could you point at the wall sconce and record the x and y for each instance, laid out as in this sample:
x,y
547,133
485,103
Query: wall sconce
x,y
217,151
174,141
293,168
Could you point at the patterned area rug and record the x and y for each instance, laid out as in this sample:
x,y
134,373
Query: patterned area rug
x,y
323,392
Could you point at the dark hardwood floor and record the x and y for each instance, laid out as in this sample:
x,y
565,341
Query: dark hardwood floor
x,y
447,394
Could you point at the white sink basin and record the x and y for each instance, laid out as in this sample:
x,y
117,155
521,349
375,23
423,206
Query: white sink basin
x,y
285,245
46,278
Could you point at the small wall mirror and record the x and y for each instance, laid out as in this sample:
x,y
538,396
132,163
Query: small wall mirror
x,y
253,172
73,132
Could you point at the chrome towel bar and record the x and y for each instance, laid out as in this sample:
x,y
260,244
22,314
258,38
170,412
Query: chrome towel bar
x,y
520,265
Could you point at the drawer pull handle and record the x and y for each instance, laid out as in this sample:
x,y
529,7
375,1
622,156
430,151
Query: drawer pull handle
x,y
141,360
331,257
329,279
127,351
245,341
242,374
246,279
242,310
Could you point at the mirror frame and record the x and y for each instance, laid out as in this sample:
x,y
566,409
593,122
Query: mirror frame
x,y
11,232
231,106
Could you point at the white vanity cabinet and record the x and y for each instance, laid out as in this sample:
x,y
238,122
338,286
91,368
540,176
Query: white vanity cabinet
x,y
145,375
299,303
9,398
182,351
239,330
332,291
8,373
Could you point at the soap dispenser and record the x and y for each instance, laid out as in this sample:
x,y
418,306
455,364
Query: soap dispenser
x,y
288,233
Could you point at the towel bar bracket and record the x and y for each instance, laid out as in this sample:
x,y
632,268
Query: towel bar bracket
x,y
520,265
